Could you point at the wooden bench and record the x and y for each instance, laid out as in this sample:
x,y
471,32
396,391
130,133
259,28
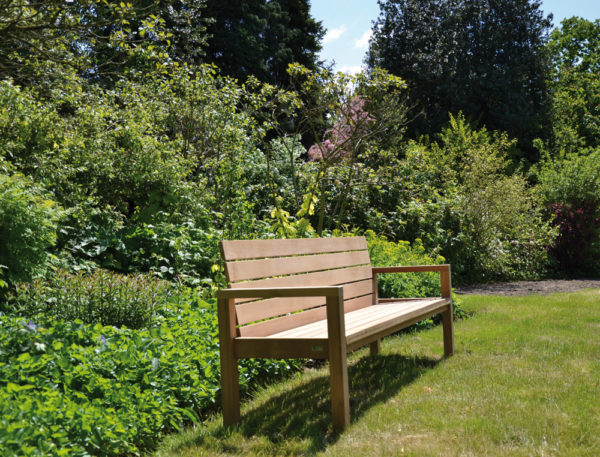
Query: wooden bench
x,y
312,298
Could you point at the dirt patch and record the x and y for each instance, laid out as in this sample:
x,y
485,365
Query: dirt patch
x,y
530,287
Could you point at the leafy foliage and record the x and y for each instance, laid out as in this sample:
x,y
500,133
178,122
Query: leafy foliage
x,y
488,223
575,52
95,390
28,222
261,38
571,189
100,297
41,39
361,108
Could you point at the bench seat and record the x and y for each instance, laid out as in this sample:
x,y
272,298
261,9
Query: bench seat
x,y
367,322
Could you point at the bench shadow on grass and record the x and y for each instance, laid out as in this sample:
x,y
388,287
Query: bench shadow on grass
x,y
301,416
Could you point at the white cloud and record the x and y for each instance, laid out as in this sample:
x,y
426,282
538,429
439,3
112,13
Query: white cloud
x,y
351,69
334,34
363,41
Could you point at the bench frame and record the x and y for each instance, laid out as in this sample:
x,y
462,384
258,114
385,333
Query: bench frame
x,y
335,347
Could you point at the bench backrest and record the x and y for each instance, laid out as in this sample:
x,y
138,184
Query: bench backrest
x,y
295,263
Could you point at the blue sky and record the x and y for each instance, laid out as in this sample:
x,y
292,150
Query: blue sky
x,y
348,24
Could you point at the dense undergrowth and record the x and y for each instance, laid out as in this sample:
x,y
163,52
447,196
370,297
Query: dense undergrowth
x,y
70,388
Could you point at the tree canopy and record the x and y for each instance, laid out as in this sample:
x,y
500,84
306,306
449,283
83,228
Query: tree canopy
x,y
261,38
485,58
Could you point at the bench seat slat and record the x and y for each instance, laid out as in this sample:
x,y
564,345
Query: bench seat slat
x,y
265,268
384,324
252,249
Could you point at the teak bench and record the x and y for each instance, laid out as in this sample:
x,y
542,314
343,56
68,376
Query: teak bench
x,y
312,298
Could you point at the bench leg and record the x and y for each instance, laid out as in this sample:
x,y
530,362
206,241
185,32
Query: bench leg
x,y
230,391
340,398
375,346
448,331
230,380
338,366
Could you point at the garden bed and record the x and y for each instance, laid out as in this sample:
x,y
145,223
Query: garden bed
x,y
548,286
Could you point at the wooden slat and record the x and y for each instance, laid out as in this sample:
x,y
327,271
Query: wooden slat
x,y
280,324
253,249
398,300
319,278
268,292
264,268
366,339
319,329
358,303
264,309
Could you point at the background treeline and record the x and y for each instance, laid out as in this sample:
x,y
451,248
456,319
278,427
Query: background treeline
x,y
135,136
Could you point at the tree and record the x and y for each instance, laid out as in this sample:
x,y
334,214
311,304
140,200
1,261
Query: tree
x,y
575,55
359,109
101,40
485,58
261,38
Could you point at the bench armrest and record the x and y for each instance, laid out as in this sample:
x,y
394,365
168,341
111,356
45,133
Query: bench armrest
x,y
411,269
270,292
334,305
444,271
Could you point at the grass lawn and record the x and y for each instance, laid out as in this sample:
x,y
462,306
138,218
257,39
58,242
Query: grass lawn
x,y
525,381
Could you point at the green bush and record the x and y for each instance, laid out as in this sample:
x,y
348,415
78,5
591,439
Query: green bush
x,y
170,245
28,222
102,297
28,129
571,192
503,233
388,253
463,202
75,389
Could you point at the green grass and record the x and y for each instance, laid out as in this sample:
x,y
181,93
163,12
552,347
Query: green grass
x,y
525,381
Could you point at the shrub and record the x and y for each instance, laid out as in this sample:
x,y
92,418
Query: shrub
x,y
100,297
28,222
169,245
571,190
388,253
462,201
78,389
503,233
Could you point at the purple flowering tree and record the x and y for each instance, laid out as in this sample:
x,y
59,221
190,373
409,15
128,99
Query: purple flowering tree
x,y
356,109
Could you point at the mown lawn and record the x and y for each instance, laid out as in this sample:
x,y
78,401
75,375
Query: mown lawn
x,y
525,381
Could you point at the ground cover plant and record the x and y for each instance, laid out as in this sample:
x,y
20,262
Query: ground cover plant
x,y
70,388
522,382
